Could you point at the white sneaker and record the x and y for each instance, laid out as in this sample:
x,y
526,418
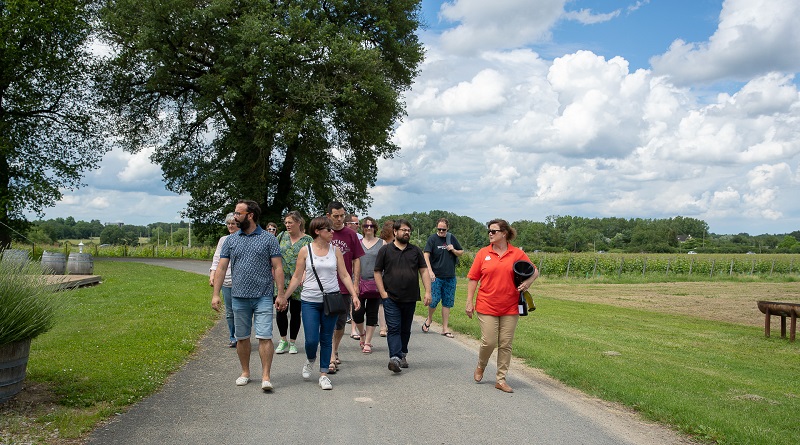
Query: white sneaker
x,y
325,382
307,370
266,385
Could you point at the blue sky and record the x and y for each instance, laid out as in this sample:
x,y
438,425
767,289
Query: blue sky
x,y
530,108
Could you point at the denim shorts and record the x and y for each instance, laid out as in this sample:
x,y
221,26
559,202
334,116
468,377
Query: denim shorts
x,y
444,290
248,312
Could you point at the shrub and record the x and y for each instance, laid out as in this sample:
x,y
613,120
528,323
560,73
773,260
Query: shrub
x,y
26,304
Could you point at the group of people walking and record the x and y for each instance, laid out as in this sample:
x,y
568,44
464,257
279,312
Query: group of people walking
x,y
260,273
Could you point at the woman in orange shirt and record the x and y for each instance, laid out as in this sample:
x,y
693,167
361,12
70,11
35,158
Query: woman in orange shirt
x,y
492,276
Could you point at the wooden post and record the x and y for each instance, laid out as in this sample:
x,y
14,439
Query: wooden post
x,y
766,323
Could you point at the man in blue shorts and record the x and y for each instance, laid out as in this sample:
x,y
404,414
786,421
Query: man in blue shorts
x,y
441,253
255,258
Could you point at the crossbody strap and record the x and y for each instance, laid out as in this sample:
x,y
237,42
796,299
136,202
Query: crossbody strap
x,y
311,257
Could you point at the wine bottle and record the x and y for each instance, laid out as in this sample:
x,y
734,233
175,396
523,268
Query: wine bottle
x,y
522,305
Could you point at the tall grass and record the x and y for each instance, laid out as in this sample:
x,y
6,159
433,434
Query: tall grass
x,y
26,305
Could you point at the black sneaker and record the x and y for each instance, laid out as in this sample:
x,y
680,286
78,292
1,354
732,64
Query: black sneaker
x,y
394,364
403,363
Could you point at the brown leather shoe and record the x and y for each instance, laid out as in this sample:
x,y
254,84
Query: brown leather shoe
x,y
478,376
503,387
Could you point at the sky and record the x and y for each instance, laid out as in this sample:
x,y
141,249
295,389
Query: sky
x,y
529,108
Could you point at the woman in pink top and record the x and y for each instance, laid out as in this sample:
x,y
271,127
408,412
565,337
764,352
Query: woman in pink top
x,y
492,275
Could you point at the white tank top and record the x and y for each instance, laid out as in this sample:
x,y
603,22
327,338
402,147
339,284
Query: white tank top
x,y
326,270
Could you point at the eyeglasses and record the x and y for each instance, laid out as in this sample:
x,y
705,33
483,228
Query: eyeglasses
x,y
493,231
368,226
329,229
232,223
441,230
240,213
404,230
352,223
272,229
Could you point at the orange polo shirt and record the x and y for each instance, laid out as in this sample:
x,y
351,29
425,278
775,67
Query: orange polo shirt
x,y
497,294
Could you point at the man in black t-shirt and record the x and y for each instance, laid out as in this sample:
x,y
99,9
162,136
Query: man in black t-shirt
x,y
398,267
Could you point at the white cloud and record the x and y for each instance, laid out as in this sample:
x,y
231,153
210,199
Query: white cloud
x,y
139,168
498,24
587,17
754,37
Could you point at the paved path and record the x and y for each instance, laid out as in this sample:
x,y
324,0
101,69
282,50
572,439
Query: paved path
x,y
434,401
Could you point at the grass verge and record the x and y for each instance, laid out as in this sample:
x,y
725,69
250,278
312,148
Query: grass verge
x,y
718,382
112,345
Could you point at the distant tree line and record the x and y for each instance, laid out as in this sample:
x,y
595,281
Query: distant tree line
x,y
555,234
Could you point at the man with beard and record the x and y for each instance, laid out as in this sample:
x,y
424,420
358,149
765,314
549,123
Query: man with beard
x,y
398,268
255,259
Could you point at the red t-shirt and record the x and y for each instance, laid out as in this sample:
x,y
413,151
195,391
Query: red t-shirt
x,y
497,294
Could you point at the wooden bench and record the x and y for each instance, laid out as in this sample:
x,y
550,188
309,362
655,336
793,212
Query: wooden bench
x,y
783,310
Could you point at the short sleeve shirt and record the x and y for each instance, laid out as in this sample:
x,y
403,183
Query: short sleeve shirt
x,y
251,262
497,294
289,253
400,269
443,262
346,240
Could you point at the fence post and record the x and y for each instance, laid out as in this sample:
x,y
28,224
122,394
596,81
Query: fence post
x,y
691,265
713,263
752,266
730,272
644,265
772,268
594,269
621,263
669,261
569,263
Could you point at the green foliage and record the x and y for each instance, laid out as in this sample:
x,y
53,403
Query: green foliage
x,y
26,305
286,103
683,267
50,129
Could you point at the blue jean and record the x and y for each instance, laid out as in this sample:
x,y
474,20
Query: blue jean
x,y
226,295
398,324
252,312
318,332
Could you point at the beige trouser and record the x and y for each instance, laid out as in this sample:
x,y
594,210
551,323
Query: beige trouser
x,y
497,332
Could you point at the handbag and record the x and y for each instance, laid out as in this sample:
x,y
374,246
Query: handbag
x,y
332,302
367,288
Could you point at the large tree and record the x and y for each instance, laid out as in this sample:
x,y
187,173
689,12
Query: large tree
x,y
289,103
49,132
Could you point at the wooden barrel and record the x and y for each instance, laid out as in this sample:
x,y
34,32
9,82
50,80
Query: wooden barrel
x,y
13,363
80,264
15,258
54,263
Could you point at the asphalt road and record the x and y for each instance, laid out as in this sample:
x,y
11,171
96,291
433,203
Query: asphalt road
x,y
434,401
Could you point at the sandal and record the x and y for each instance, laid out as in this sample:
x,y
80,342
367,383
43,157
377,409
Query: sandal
x,y
332,368
336,361
426,327
355,336
367,348
448,334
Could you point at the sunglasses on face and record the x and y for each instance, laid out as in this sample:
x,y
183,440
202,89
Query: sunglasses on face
x,y
441,230
493,231
368,226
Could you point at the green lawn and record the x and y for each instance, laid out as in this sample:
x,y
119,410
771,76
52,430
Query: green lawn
x,y
716,381
114,344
